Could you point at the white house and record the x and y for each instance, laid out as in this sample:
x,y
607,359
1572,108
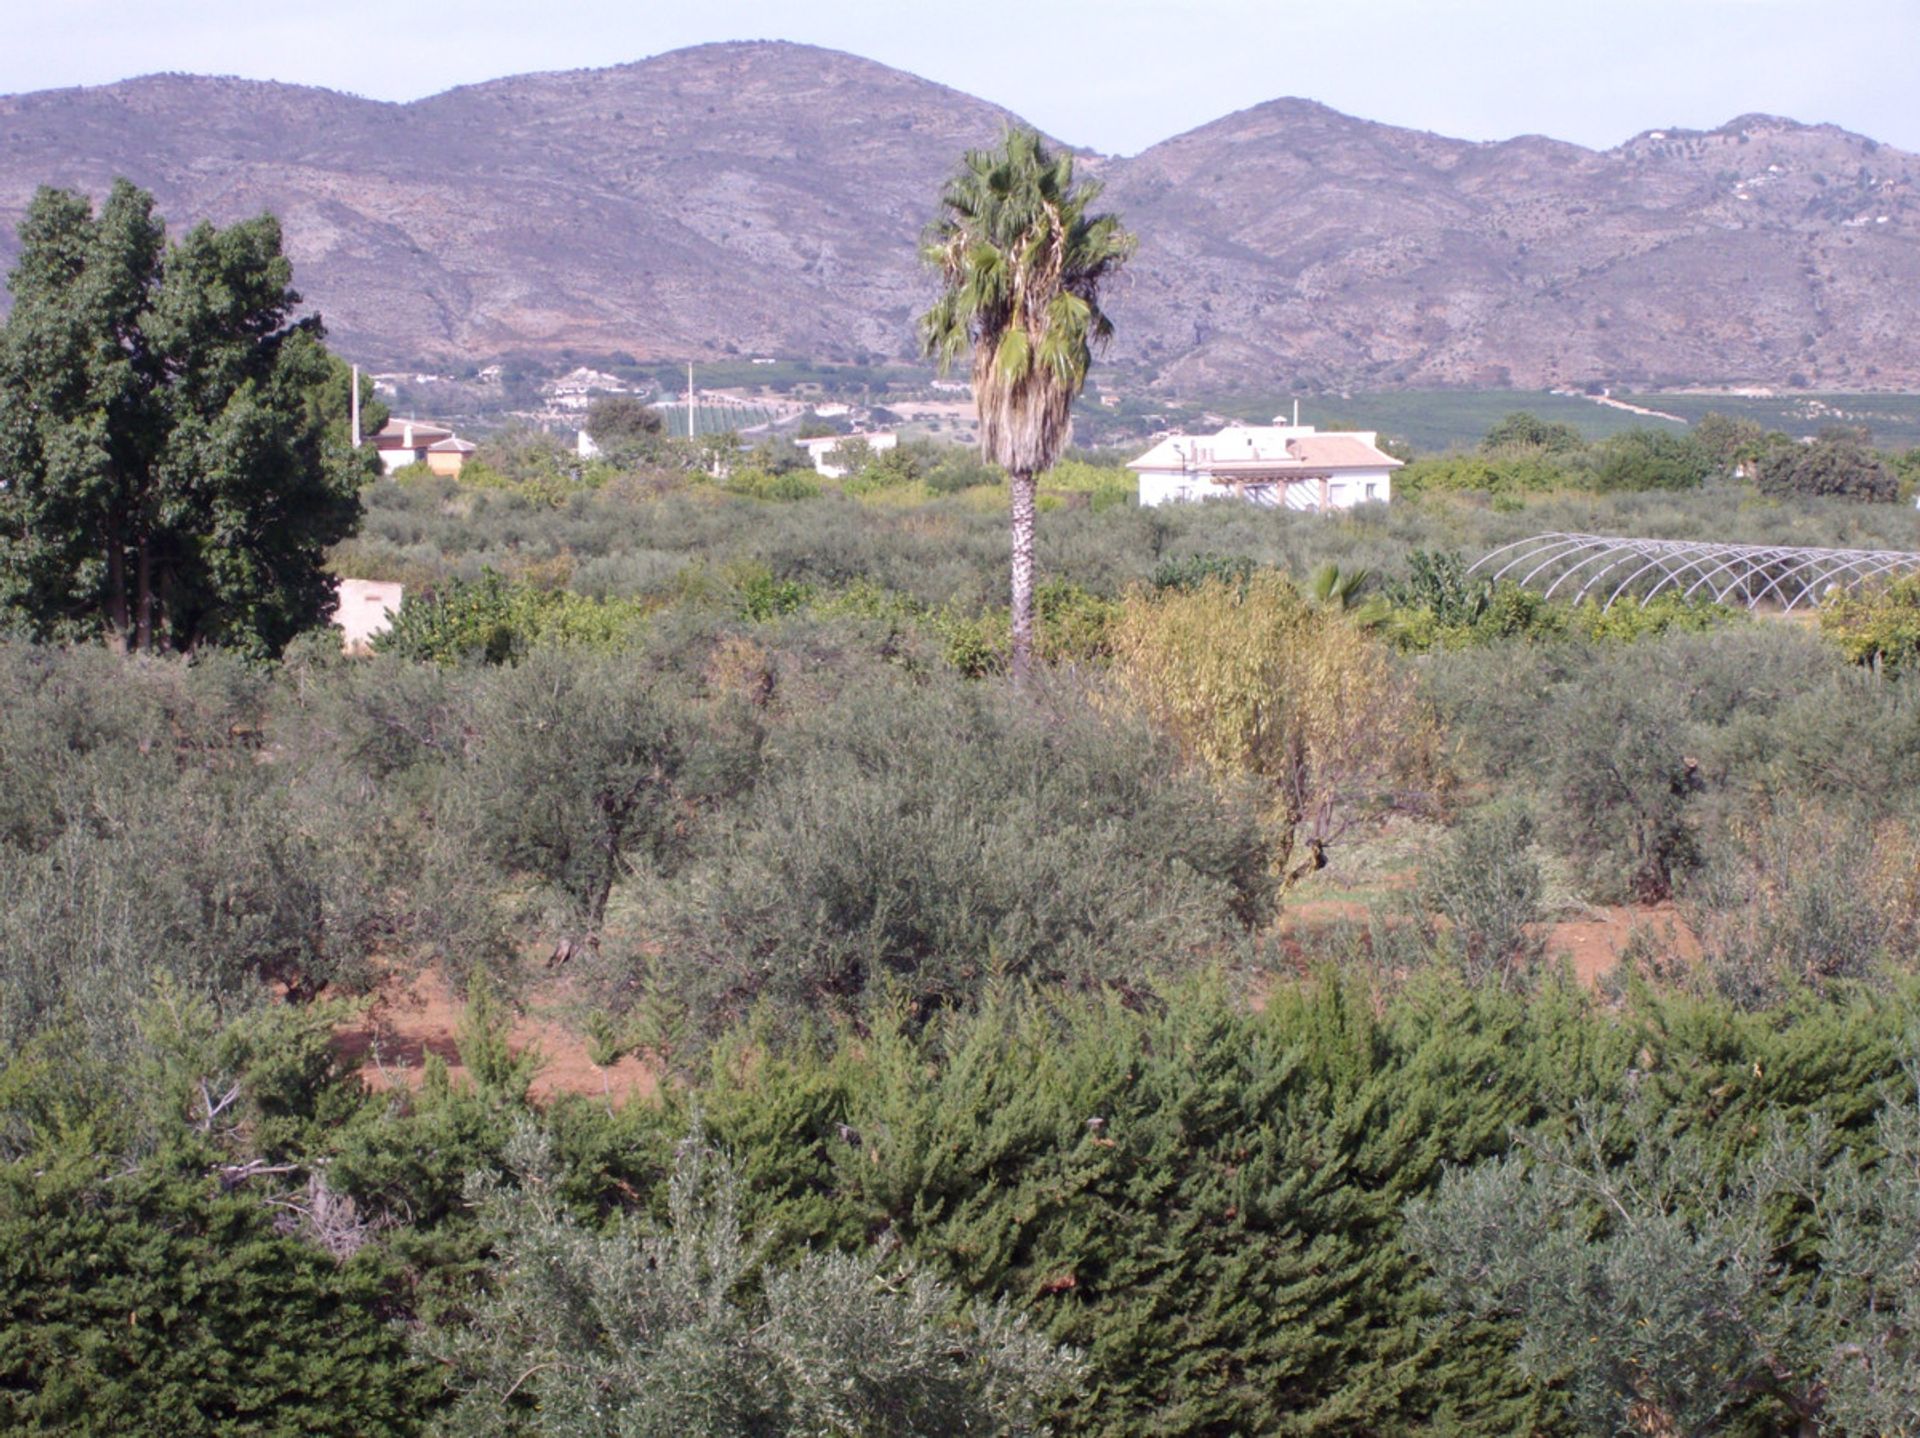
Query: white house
x,y
1290,466
821,449
402,442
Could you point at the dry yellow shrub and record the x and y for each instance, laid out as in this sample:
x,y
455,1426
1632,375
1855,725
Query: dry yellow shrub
x,y
1252,679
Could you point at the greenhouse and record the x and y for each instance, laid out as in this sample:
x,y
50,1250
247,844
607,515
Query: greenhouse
x,y
1609,568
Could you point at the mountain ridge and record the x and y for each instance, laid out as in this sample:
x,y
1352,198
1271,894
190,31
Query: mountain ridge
x,y
765,197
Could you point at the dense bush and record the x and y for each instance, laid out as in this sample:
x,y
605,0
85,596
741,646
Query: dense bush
x,y
495,620
1253,681
1642,459
1880,628
1666,1291
1488,887
170,1261
918,845
1837,464
1207,1201
686,1333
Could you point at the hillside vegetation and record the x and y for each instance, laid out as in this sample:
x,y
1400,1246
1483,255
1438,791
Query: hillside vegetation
x,y
1005,1083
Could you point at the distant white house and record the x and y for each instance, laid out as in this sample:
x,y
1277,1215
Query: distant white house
x,y
821,449
410,441
1282,466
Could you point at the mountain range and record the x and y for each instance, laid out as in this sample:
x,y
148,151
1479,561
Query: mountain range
x,y
766,198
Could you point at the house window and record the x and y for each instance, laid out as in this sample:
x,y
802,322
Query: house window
x,y
1373,490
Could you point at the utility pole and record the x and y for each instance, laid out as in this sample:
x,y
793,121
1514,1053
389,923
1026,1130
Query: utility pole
x,y
690,425
354,401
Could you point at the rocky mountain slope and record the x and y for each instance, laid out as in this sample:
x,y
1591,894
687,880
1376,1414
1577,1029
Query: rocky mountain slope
x,y
766,197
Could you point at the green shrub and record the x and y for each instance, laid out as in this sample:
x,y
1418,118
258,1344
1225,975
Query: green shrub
x,y
170,1260
575,777
1647,459
1071,627
497,620
1838,464
1202,1199
763,597
1506,474
157,1301
1524,430
1198,569
919,844
784,487
1487,885
1879,628
686,1331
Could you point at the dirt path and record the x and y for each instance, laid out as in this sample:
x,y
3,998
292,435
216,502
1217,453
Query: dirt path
x,y
1611,403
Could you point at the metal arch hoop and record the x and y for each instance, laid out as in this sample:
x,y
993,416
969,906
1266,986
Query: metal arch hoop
x,y
1695,554
1786,576
1703,554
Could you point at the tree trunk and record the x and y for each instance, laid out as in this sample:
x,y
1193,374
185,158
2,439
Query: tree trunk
x,y
143,611
1023,487
117,619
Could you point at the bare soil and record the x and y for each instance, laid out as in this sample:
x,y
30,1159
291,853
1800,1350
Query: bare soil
x,y
407,1021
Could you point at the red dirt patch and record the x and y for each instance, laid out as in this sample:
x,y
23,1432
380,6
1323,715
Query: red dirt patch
x,y
1594,945
405,1022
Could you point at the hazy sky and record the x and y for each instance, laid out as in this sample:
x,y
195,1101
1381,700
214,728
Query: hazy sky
x,y
1116,75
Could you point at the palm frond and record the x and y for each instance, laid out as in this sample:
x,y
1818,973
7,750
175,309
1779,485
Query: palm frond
x,y
1021,263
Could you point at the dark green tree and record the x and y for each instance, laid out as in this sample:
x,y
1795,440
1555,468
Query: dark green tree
x,y
1644,459
616,418
171,481
1022,263
1523,429
1840,463
1733,441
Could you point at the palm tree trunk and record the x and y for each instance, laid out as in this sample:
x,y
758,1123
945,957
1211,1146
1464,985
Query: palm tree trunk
x,y
1023,487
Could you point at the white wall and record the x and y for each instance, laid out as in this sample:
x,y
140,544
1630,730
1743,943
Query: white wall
x,y
1158,489
1349,490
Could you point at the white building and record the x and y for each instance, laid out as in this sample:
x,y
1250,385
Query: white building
x,y
402,442
821,450
1278,465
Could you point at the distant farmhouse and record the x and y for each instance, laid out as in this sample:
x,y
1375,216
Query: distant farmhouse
x,y
821,450
1281,466
402,442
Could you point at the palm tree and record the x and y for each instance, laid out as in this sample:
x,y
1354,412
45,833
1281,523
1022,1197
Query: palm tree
x,y
1022,263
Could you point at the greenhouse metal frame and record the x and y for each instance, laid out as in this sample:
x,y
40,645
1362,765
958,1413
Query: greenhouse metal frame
x,y
1608,568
